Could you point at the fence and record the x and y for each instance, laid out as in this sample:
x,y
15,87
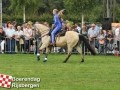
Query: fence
x,y
18,46
30,46
106,47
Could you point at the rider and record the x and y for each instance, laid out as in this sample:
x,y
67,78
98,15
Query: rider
x,y
57,25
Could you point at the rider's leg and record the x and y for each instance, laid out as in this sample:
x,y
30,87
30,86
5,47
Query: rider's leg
x,y
54,32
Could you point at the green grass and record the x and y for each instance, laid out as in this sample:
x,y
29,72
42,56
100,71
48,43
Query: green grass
x,y
96,73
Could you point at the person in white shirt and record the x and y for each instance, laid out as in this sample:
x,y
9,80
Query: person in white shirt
x,y
18,35
78,28
101,41
28,35
117,36
10,41
92,34
2,40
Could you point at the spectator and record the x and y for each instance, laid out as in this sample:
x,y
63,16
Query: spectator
x,y
117,37
10,41
2,40
101,41
84,32
116,51
109,37
92,34
78,28
14,24
28,35
18,35
32,44
69,25
109,40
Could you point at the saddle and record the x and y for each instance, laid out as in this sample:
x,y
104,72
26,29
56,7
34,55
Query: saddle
x,y
60,33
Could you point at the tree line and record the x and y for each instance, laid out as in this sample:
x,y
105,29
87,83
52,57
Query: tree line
x,y
41,10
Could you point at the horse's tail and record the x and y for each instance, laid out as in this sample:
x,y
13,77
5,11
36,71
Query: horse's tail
x,y
90,48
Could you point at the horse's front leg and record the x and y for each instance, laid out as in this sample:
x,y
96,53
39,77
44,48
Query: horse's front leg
x,y
44,46
46,55
38,56
37,50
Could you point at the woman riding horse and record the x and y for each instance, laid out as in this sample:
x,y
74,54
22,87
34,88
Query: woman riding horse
x,y
71,39
57,24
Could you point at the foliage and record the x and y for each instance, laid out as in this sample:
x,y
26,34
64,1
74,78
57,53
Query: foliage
x,y
95,15
79,6
117,12
92,9
31,6
44,17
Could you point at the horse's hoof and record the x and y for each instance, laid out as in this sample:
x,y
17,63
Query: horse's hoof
x,y
82,60
64,61
38,58
45,61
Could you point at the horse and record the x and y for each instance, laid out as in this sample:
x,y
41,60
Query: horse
x,y
71,39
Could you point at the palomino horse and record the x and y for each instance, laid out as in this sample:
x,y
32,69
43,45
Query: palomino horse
x,y
71,39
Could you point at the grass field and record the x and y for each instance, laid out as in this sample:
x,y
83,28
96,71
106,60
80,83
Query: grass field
x,y
96,73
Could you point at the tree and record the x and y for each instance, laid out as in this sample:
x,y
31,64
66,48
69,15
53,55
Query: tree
x,y
92,10
79,7
117,11
52,4
23,6
96,13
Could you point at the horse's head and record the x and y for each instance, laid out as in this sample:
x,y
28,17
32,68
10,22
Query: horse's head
x,y
42,29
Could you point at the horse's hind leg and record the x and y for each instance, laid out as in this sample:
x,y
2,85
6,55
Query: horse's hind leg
x,y
80,51
69,54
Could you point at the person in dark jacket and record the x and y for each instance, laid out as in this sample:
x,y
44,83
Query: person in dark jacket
x,y
2,40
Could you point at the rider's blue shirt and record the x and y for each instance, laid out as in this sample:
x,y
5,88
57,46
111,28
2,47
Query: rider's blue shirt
x,y
57,21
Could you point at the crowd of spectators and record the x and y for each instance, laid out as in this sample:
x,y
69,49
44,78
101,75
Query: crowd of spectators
x,y
105,41
21,38
17,38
